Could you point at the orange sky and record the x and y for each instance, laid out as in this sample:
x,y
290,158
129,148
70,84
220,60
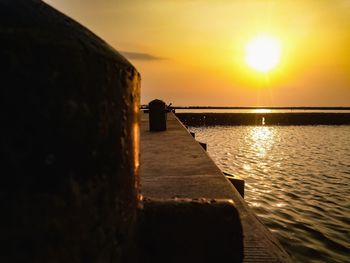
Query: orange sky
x,y
191,52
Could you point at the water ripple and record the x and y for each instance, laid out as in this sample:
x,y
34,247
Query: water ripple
x,y
297,182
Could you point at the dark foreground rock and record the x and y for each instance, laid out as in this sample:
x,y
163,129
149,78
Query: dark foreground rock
x,y
69,140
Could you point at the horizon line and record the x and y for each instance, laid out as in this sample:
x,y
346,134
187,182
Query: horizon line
x,y
258,107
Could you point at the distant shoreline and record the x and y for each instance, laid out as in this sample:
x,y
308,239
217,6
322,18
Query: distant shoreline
x,y
259,108
288,118
340,108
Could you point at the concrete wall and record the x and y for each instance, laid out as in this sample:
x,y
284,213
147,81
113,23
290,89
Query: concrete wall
x,y
211,119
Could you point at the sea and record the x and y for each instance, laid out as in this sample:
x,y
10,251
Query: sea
x,y
297,181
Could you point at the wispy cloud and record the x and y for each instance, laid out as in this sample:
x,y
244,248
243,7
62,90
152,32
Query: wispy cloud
x,y
139,56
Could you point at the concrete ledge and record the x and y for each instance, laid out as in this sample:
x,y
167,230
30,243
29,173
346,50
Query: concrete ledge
x,y
186,230
239,184
173,165
189,205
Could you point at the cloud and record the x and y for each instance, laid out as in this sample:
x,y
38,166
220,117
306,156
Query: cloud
x,y
139,56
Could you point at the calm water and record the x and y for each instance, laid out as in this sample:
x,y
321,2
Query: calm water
x,y
297,182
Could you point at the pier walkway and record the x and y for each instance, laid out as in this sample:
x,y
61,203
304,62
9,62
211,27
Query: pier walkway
x,y
190,211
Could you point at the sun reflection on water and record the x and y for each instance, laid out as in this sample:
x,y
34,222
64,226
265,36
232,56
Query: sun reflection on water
x,y
262,139
296,180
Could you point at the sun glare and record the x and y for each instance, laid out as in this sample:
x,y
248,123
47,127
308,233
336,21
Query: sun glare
x,y
263,53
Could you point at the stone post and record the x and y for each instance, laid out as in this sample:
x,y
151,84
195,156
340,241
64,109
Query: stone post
x,y
69,140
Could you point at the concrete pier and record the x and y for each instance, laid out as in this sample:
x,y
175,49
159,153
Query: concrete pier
x,y
190,211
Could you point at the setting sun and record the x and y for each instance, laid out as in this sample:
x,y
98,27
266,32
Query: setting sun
x,y
239,53
263,53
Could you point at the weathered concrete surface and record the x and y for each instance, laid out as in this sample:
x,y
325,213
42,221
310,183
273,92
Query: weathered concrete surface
x,y
174,167
69,139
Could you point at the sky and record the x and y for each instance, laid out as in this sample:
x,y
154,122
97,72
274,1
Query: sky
x,y
192,52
